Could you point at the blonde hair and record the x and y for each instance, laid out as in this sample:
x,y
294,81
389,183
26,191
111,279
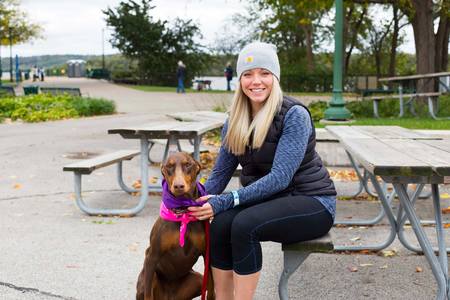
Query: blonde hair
x,y
244,131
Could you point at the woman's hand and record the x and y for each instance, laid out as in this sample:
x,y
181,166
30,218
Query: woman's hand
x,y
203,212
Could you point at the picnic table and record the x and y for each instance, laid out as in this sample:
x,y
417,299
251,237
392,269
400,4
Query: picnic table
x,y
172,131
401,80
403,157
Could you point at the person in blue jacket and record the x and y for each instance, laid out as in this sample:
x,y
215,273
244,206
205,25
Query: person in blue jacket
x,y
287,194
181,74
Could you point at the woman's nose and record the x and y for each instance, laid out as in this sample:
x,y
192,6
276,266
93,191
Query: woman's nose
x,y
256,79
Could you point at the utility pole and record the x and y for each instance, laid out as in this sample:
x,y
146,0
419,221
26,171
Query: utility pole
x,y
336,109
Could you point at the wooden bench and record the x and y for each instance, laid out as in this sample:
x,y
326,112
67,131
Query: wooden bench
x,y
86,167
295,254
7,90
378,98
60,91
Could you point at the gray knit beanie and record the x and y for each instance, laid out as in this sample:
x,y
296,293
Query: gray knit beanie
x,y
258,55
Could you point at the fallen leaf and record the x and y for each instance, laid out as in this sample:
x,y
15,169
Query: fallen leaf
x,y
388,253
366,265
357,238
353,269
447,225
133,247
343,175
365,251
418,269
17,186
445,196
446,210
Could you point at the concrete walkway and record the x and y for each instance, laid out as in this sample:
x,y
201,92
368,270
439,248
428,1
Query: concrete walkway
x,y
50,250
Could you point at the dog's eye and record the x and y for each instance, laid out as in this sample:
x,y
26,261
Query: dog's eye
x,y
170,169
188,166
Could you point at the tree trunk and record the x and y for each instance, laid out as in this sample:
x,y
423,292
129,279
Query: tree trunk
x,y
353,39
394,43
422,22
309,48
442,38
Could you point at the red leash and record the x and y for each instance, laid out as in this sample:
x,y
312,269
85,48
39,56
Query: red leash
x,y
206,261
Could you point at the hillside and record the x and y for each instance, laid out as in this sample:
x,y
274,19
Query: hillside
x,y
45,61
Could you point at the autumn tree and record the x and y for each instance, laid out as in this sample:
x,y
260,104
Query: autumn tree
x,y
431,46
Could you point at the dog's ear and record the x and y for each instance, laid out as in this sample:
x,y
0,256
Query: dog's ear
x,y
199,166
164,169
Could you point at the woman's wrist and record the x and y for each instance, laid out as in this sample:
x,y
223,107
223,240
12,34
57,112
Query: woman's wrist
x,y
220,203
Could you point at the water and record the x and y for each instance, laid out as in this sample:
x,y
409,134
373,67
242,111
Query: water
x,y
217,82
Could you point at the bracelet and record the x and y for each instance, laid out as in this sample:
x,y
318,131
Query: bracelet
x,y
235,198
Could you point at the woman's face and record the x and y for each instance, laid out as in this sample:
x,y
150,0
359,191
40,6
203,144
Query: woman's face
x,y
257,85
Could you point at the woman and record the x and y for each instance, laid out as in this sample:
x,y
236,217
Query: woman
x,y
287,196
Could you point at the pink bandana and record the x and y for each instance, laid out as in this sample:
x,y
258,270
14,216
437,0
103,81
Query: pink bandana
x,y
184,218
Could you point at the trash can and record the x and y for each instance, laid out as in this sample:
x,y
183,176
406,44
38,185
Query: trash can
x,y
31,89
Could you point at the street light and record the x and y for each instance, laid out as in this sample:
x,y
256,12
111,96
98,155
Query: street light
x,y
103,50
10,55
336,110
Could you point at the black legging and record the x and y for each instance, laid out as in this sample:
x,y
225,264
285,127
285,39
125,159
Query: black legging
x,y
236,233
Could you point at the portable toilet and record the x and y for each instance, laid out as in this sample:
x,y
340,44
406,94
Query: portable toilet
x,y
76,68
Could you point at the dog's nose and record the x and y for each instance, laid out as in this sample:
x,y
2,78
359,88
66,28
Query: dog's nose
x,y
178,186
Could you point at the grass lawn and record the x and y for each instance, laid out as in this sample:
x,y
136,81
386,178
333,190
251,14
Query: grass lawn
x,y
170,89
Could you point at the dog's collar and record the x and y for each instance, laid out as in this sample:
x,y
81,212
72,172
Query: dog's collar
x,y
171,202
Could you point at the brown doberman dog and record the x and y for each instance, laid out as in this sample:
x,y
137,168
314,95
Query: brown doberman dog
x,y
167,272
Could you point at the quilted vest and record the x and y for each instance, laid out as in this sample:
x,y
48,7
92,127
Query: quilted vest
x,y
310,179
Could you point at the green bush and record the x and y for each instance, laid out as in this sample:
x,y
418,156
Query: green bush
x,y
44,107
317,110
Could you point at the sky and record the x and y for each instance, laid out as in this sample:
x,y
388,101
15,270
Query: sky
x,y
75,27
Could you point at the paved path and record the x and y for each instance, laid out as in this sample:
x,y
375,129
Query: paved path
x,y
50,250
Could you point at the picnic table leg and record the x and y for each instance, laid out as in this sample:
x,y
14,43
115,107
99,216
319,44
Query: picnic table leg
x,y
292,260
122,184
400,93
391,218
197,141
363,181
170,141
110,211
424,242
439,230
431,108
401,219
375,108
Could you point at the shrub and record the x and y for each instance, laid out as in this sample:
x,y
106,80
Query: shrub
x,y
43,107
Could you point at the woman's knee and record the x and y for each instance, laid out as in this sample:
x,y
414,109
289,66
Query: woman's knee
x,y
242,229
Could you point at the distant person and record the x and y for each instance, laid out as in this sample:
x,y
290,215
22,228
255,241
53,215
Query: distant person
x,y
34,73
42,74
181,74
229,75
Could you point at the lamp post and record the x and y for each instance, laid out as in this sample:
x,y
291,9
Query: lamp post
x,y
10,56
103,50
336,110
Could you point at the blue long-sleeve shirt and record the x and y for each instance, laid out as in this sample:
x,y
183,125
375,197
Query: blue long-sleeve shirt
x,y
289,154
